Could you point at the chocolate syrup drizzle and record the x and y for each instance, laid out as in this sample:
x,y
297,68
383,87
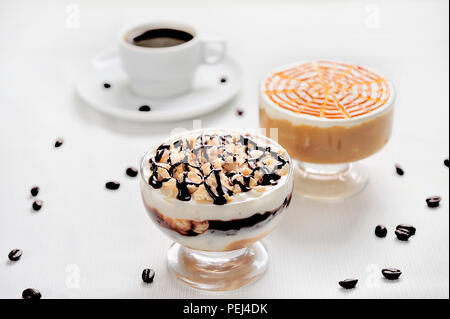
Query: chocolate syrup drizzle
x,y
218,193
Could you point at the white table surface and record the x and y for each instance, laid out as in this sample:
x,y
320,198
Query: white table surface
x,y
90,243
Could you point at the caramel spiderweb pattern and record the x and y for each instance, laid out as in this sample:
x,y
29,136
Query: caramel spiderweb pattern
x,y
328,89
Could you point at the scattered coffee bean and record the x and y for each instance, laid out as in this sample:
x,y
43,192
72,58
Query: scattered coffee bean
x,y
145,108
348,283
148,275
391,273
380,231
106,85
240,112
34,191
433,201
37,205
223,79
113,185
402,234
446,162
399,170
15,254
59,142
31,294
132,172
410,228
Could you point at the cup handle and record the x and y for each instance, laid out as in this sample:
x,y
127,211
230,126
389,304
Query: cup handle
x,y
213,50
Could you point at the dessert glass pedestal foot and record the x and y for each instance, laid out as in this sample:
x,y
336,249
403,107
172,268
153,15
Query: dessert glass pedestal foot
x,y
218,271
330,181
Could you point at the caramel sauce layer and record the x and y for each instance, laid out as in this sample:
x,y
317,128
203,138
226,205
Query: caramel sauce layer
x,y
331,145
328,89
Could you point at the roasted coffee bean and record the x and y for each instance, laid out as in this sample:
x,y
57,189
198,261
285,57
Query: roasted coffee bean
x,y
399,170
410,228
37,205
132,172
402,234
34,191
113,185
223,79
433,201
15,254
148,275
446,162
348,283
240,112
380,231
59,142
391,273
31,294
106,85
145,108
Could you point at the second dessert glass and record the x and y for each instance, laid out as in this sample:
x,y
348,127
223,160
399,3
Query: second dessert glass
x,y
329,115
217,245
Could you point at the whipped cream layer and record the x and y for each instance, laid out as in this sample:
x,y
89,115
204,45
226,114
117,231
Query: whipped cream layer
x,y
306,96
248,186
212,240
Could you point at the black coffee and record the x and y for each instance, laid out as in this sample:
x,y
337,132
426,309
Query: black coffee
x,y
160,38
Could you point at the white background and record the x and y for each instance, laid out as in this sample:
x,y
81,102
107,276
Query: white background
x,y
106,237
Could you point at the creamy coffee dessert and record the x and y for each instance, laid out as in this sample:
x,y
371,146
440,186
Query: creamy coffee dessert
x,y
327,112
216,190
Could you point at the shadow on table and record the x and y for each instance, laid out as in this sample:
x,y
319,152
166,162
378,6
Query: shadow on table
x,y
313,222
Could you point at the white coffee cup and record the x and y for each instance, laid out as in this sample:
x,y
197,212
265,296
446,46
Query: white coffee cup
x,y
159,72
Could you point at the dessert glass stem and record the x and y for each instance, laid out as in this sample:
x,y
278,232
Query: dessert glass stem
x,y
330,181
218,271
325,170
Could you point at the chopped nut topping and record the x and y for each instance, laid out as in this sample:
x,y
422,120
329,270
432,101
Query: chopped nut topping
x,y
212,168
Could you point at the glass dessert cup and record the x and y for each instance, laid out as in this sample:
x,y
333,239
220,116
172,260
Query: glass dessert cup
x,y
328,116
217,246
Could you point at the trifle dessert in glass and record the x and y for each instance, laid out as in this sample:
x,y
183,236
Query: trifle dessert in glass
x,y
329,115
216,193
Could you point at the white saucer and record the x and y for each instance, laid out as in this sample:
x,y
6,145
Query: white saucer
x,y
208,93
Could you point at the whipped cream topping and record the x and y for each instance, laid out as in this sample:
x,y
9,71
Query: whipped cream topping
x,y
216,167
325,94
